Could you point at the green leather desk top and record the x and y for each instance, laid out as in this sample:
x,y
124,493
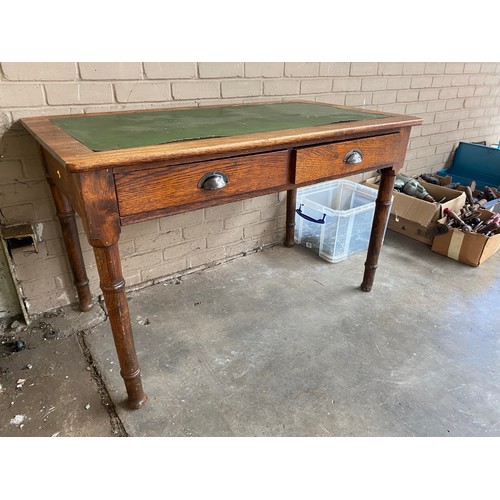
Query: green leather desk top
x,y
126,130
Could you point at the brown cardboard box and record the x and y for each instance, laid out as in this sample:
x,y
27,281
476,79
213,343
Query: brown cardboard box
x,y
413,217
469,248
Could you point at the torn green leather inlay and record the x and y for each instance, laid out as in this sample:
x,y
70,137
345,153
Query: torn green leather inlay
x,y
128,130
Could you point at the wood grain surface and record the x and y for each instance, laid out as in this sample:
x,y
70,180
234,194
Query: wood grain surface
x,y
159,188
321,162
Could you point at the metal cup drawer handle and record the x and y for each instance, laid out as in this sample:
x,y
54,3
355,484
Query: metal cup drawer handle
x,y
353,157
213,180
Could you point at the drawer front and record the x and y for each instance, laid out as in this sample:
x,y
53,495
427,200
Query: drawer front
x,y
329,160
153,189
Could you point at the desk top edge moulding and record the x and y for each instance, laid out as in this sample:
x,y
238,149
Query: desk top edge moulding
x,y
122,167
69,137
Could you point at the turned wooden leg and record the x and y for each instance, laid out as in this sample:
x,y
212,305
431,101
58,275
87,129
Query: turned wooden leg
x,y
382,207
291,198
66,216
113,289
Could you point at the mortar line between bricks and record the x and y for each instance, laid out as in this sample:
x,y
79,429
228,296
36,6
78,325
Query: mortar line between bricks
x,y
116,424
44,95
113,92
78,72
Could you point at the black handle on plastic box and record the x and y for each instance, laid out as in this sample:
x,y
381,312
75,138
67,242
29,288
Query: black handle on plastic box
x,y
307,217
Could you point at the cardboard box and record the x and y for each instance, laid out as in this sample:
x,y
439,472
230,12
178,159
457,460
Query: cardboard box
x,y
469,248
413,217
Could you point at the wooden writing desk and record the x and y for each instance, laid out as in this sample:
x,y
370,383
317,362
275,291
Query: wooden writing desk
x,y
119,168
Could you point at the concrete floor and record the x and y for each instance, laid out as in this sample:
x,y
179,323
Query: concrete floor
x,y
280,343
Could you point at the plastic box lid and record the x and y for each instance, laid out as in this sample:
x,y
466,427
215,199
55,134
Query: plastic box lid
x,y
349,197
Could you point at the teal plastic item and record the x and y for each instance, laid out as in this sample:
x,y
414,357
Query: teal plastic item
x,y
475,162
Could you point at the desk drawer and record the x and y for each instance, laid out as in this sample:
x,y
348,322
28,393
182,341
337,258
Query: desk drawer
x,y
329,160
153,189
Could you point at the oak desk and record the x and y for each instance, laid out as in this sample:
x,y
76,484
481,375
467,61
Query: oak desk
x,y
119,168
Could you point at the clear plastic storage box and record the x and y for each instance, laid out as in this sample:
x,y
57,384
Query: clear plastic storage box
x,y
334,219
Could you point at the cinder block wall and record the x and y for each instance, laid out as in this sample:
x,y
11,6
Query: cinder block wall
x,y
458,101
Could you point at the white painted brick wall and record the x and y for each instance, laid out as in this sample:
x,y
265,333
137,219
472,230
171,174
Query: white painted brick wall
x,y
346,84
39,71
110,71
142,91
170,70
294,69
220,70
334,69
390,68
264,69
241,88
195,90
79,93
363,69
457,101
285,86
13,95
315,86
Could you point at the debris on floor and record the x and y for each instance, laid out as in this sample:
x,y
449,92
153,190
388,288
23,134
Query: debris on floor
x,y
45,387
